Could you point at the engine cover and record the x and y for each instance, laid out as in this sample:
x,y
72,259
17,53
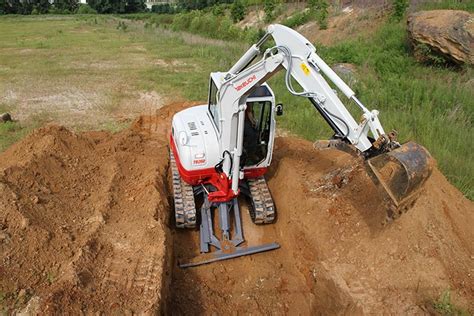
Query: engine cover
x,y
194,139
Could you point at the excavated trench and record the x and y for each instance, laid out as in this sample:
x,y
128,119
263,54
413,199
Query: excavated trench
x,y
290,279
86,226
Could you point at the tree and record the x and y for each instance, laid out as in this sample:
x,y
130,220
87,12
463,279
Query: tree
x,y
14,7
66,6
26,7
237,11
85,9
189,5
101,6
133,6
42,6
3,7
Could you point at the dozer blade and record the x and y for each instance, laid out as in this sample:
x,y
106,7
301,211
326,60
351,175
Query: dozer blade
x,y
221,255
229,245
402,173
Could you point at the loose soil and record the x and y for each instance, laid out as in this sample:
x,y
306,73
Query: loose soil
x,y
86,227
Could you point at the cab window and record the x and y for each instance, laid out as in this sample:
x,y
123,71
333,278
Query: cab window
x,y
256,132
213,108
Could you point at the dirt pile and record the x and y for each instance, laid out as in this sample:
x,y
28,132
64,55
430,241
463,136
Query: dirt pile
x,y
83,222
85,227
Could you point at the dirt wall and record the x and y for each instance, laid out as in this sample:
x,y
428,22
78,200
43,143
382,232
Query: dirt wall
x,y
83,222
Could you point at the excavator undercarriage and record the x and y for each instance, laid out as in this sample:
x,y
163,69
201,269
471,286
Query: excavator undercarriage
x,y
261,210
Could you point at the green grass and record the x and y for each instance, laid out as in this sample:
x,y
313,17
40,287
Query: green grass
x,y
445,307
11,132
78,61
431,105
467,5
204,23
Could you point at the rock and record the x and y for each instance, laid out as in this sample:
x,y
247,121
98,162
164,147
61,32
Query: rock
x,y
32,308
35,199
5,117
4,236
449,33
22,293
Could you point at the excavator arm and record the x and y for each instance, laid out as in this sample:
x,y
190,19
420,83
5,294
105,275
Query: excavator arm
x,y
399,171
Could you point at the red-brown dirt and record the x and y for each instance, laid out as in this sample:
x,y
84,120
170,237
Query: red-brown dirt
x,y
86,227
83,222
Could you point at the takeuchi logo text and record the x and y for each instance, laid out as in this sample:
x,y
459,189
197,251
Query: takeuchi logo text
x,y
245,83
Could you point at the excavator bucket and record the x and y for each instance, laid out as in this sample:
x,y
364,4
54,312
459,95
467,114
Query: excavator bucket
x,y
402,173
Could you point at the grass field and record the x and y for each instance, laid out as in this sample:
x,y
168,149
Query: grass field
x,y
99,72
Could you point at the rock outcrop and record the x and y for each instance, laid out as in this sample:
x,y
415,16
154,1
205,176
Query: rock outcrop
x,y
449,33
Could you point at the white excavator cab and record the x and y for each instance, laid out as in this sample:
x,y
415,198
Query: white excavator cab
x,y
259,124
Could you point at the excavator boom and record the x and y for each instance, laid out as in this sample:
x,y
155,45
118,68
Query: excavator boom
x,y
399,170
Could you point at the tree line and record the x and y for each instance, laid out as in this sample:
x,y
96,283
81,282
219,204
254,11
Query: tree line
x,y
71,6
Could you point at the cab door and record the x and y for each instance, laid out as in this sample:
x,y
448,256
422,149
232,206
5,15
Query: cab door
x,y
257,132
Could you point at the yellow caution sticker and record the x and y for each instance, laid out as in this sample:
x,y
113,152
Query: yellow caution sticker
x,y
305,69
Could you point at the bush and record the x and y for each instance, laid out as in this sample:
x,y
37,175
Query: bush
x,y
85,9
182,21
42,6
122,26
218,10
399,8
24,7
297,19
269,7
426,55
66,6
228,31
444,306
320,9
164,8
237,11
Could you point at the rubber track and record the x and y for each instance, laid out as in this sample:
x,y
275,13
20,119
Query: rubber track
x,y
183,195
263,210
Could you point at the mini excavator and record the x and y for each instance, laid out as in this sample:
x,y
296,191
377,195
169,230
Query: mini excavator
x,y
222,149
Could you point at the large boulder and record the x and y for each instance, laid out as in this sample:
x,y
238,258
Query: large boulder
x,y
446,32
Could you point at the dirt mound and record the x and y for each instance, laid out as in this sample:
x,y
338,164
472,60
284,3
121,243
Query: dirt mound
x,y
85,227
83,222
